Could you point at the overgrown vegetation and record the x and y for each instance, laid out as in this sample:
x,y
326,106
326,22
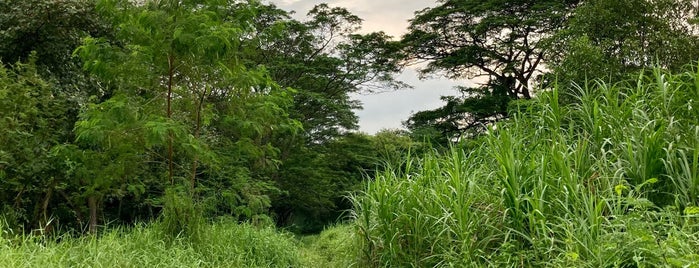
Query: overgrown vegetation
x,y
221,133
609,180
221,244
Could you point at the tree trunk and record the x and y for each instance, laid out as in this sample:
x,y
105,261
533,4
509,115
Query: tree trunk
x,y
92,205
45,211
40,219
171,74
197,134
18,198
76,209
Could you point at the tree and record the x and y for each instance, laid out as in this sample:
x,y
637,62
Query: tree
x,y
178,63
500,41
334,170
51,29
29,116
325,60
42,34
108,154
180,97
610,39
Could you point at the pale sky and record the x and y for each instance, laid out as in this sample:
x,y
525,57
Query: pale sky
x,y
386,110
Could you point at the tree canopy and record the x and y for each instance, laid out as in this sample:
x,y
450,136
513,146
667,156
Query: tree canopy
x,y
610,39
127,107
515,47
501,43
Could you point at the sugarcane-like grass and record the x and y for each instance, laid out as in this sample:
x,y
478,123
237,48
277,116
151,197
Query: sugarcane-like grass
x,y
610,179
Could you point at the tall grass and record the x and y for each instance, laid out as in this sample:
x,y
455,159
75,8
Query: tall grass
x,y
609,180
223,244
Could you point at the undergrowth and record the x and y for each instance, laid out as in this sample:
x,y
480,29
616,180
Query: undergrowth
x,y
222,244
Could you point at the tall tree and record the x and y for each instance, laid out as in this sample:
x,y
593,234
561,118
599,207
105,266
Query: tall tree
x,y
29,114
183,93
43,34
179,64
498,42
51,29
609,39
325,60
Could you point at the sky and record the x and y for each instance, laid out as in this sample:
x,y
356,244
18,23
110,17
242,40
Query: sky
x,y
389,109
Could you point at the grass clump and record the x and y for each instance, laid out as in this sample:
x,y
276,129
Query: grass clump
x,y
611,180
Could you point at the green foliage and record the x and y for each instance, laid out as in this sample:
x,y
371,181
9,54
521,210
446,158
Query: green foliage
x,y
32,117
222,244
199,110
422,220
126,99
655,33
326,60
51,29
460,117
319,180
393,146
204,117
605,181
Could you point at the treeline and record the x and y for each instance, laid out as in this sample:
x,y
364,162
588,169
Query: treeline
x,y
111,111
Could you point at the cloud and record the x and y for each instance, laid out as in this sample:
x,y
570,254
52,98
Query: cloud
x,y
287,2
388,110
390,16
